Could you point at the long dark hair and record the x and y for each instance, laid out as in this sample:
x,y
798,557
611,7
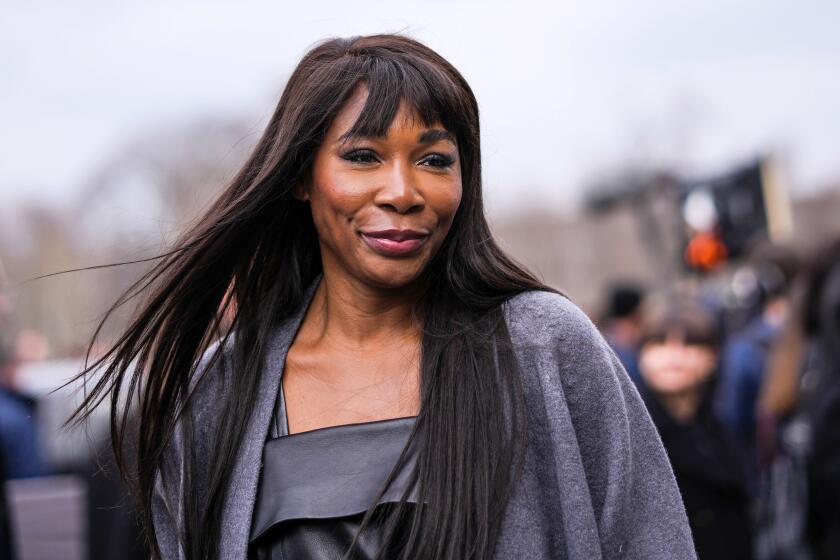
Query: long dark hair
x,y
252,256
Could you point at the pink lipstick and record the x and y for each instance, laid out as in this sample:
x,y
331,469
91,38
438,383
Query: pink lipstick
x,y
395,242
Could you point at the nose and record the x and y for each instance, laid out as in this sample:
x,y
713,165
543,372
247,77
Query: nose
x,y
398,192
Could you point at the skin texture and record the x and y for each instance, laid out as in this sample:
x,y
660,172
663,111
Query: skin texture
x,y
356,357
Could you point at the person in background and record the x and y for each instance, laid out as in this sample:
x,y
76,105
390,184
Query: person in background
x,y
747,352
801,404
7,549
21,456
677,362
621,326
821,401
18,434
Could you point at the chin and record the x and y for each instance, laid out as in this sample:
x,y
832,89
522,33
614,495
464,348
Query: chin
x,y
395,281
396,275
675,388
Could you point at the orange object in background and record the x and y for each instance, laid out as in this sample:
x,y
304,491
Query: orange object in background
x,y
705,251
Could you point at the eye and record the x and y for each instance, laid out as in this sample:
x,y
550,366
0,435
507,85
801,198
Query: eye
x,y
441,161
360,156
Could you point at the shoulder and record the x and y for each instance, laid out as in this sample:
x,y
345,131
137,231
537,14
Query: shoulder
x,y
541,318
565,359
584,406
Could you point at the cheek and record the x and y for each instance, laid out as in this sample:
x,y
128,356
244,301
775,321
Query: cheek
x,y
446,203
333,206
703,362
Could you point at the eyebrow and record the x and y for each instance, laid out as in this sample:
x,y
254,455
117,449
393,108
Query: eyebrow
x,y
426,137
434,135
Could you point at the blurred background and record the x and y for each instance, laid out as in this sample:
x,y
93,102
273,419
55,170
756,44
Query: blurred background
x,y
670,166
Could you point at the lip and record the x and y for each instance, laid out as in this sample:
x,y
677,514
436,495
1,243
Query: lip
x,y
395,242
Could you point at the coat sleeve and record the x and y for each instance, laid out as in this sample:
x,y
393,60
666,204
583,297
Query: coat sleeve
x,y
627,477
638,507
641,507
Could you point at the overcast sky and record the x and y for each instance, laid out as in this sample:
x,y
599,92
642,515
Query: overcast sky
x,y
567,90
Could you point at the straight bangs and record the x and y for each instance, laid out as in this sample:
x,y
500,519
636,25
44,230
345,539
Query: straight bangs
x,y
431,94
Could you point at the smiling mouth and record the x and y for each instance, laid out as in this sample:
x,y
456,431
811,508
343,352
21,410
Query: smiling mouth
x,y
395,242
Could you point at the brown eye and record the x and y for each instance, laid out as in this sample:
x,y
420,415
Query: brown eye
x,y
437,160
359,156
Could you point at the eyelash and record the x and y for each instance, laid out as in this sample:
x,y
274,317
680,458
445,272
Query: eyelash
x,y
442,161
436,160
355,156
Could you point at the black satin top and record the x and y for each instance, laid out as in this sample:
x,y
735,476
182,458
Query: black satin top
x,y
316,486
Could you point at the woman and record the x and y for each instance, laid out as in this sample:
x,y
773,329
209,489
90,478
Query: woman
x,y
678,359
372,312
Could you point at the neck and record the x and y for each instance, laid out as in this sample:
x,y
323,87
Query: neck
x,y
681,406
348,313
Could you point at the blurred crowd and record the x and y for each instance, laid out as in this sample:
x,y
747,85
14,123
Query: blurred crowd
x,y
742,379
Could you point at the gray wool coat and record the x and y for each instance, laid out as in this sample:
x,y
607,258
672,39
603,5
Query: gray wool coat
x,y
596,480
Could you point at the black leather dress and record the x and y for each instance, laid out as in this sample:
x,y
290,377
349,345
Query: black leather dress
x,y
316,486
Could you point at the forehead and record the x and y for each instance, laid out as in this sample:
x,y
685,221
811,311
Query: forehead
x,y
405,118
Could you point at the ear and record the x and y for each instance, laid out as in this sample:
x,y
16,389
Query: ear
x,y
301,192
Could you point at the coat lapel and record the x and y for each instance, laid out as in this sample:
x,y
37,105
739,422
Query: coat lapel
x,y
242,493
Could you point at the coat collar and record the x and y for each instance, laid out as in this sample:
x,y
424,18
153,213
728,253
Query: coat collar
x,y
242,492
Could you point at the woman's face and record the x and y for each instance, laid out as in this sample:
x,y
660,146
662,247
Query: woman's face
x,y
383,206
672,367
